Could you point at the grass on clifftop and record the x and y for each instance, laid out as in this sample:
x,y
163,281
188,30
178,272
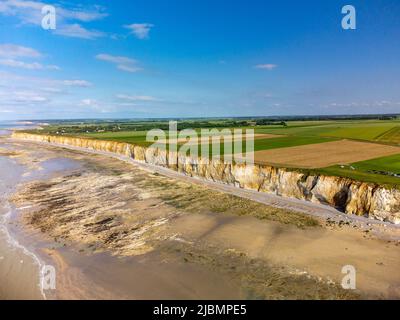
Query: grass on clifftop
x,y
381,171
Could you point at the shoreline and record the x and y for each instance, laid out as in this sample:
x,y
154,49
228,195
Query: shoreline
x,y
13,242
15,255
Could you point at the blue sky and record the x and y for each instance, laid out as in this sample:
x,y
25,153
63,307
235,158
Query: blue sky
x,y
170,58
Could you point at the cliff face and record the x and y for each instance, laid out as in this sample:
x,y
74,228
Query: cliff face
x,y
349,196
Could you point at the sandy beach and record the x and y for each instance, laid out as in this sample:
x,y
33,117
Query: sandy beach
x,y
19,268
116,230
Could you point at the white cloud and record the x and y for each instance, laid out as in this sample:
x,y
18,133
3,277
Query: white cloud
x,y
10,81
364,104
125,104
128,68
96,106
115,59
77,31
122,63
140,30
52,90
17,97
89,102
29,97
8,50
31,93
28,12
31,66
97,13
267,66
9,53
52,67
77,83
20,64
138,98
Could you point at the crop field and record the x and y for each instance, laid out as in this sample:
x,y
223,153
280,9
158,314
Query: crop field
x,y
363,149
134,137
325,154
391,136
370,130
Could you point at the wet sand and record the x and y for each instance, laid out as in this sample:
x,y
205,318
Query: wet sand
x,y
115,231
19,269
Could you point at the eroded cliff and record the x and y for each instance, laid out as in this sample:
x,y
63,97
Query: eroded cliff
x,y
349,196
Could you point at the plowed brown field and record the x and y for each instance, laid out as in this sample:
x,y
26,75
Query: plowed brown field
x,y
324,154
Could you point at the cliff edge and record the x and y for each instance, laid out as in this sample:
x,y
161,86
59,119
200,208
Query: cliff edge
x,y
347,195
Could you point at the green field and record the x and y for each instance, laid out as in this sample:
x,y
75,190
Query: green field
x,y
391,136
288,141
380,170
370,130
134,137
